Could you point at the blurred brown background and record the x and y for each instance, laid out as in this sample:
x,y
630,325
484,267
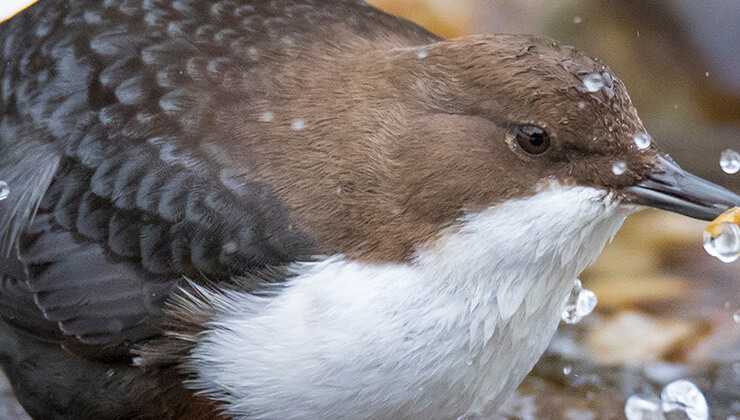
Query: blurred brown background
x,y
666,308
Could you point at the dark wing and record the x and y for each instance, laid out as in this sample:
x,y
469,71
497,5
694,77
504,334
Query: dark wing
x,y
108,132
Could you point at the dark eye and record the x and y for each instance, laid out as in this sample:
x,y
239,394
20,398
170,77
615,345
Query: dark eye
x,y
532,139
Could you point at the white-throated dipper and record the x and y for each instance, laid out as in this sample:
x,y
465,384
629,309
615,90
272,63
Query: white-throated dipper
x,y
299,209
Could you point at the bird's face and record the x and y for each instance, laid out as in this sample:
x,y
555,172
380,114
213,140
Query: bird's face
x,y
526,112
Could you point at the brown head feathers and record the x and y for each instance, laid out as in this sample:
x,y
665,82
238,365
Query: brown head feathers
x,y
390,143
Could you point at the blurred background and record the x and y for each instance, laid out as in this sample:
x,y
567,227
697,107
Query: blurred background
x,y
666,309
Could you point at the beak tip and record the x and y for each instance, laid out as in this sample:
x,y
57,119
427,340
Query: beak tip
x,y
673,189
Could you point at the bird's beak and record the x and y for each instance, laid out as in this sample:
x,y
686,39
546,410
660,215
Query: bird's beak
x,y
669,187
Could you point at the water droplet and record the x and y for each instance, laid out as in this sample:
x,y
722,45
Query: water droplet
x,y
642,140
422,53
593,82
266,116
298,124
619,167
567,370
4,190
706,74
229,247
729,161
586,302
577,20
684,396
736,317
581,302
642,408
726,245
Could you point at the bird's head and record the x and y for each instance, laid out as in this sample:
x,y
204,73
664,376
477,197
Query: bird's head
x,y
419,136
524,111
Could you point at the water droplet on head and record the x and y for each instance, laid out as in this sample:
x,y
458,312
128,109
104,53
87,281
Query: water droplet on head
x,y
726,245
593,82
266,116
422,53
577,20
729,161
642,140
297,124
229,247
684,396
642,408
619,167
4,190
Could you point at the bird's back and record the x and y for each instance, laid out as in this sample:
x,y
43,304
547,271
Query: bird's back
x,y
116,132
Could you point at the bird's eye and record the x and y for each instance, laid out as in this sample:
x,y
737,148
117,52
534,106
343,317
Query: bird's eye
x,y
532,139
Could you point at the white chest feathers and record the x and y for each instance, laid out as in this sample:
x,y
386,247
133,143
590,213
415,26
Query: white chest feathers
x,y
453,332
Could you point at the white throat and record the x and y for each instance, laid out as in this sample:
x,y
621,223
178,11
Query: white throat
x,y
454,332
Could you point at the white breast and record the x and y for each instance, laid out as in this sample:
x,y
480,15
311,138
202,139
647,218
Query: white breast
x,y
452,333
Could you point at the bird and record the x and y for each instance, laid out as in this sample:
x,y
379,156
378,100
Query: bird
x,y
299,209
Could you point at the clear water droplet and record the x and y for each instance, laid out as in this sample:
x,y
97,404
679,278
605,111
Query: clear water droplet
x,y
684,396
581,302
422,53
298,124
640,407
642,140
4,190
593,82
569,315
619,167
267,116
577,20
725,246
586,303
567,370
736,317
729,161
